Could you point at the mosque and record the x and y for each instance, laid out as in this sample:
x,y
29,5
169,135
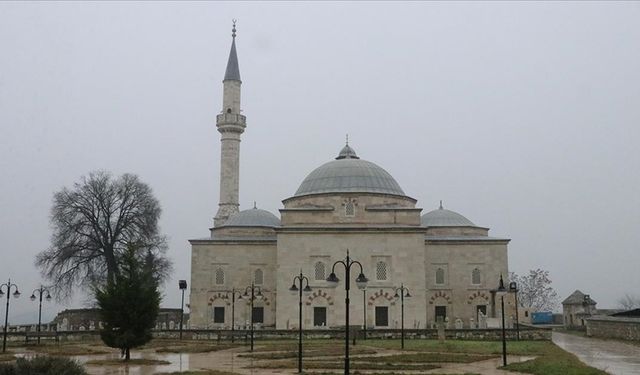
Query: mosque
x,y
449,265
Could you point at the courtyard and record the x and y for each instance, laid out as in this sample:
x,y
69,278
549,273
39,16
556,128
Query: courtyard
x,y
165,356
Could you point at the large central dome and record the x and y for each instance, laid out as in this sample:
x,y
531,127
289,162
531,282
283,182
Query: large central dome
x,y
349,174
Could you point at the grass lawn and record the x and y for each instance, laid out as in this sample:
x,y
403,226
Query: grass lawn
x,y
6,357
70,349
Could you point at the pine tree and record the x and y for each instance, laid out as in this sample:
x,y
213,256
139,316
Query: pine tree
x,y
129,304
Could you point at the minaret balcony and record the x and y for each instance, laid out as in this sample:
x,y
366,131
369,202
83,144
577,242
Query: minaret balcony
x,y
231,119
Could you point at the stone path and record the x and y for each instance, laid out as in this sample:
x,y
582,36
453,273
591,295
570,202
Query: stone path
x,y
614,357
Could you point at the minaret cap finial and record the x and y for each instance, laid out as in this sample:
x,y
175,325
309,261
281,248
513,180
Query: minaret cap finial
x,y
233,30
255,206
441,204
347,139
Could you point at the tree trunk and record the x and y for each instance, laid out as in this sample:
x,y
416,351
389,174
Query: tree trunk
x,y
127,355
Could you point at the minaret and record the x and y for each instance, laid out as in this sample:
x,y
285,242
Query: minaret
x,y
231,125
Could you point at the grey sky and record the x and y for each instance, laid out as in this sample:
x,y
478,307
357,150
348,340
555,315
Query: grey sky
x,y
524,117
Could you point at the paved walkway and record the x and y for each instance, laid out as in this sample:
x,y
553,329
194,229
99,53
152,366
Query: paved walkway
x,y
614,357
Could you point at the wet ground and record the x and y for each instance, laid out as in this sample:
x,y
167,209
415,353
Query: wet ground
x,y
614,357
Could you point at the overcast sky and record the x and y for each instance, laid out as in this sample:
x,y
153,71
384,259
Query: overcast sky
x,y
524,117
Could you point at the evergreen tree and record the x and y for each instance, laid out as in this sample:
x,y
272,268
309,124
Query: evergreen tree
x,y
129,304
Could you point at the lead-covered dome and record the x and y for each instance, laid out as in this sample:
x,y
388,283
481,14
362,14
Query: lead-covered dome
x,y
348,174
445,218
253,217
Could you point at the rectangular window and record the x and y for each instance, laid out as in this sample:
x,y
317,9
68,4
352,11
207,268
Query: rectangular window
x,y
258,314
441,313
382,316
218,314
319,316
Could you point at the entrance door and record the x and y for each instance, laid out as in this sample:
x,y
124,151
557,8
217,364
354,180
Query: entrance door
x,y
441,313
382,316
319,316
480,309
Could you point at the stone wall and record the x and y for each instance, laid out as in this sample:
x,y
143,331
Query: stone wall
x,y
89,320
614,327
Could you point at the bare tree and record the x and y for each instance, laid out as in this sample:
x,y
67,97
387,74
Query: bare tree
x,y
629,302
535,291
93,224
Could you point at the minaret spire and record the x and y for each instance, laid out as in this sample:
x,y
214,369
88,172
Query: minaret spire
x,y
231,124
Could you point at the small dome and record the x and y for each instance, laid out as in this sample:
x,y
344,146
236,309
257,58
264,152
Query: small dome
x,y
445,218
348,174
253,217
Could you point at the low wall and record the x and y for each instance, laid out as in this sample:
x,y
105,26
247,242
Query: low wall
x,y
610,327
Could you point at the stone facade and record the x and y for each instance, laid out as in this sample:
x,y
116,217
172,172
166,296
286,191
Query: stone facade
x,y
449,265
576,309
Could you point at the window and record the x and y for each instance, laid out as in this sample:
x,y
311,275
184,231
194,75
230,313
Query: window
x,y
319,316
381,270
475,276
349,209
258,314
440,276
218,314
319,271
480,309
441,313
382,316
526,314
219,276
258,277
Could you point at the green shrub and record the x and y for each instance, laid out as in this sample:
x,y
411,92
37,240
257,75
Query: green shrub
x,y
42,366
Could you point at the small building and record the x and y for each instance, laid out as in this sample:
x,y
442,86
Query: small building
x,y
576,308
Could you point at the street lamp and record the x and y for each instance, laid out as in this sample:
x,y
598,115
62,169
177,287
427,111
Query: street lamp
x,y
404,292
182,284
294,288
364,313
502,291
361,282
40,291
16,294
256,293
513,288
233,311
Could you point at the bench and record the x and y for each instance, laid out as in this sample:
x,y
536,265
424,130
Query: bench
x,y
42,335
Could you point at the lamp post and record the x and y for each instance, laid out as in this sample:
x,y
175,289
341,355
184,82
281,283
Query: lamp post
x,y
404,292
16,294
513,288
182,284
294,288
40,291
364,313
501,291
361,282
255,292
232,292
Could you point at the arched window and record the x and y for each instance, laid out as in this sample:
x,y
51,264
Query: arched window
x,y
439,276
349,209
381,270
258,277
320,271
219,276
475,276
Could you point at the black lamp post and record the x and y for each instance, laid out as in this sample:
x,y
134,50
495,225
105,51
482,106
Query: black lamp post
x,y
364,313
294,288
232,292
501,291
361,282
254,292
404,292
16,294
182,284
513,288
40,291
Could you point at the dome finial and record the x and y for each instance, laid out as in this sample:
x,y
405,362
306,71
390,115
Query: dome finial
x,y
233,30
255,206
347,139
441,205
